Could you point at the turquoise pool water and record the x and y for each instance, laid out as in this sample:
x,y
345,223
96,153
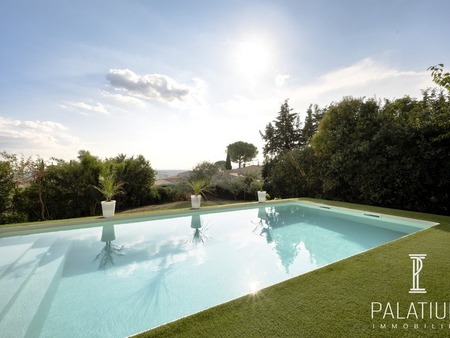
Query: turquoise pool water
x,y
122,277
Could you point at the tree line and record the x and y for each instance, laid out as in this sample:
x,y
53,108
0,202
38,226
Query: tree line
x,y
36,190
391,153
33,189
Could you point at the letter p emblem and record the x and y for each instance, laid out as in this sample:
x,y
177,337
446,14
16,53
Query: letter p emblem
x,y
417,260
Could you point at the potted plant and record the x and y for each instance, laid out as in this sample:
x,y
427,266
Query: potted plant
x,y
109,188
261,193
199,187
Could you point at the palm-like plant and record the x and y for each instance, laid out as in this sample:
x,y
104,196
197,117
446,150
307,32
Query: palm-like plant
x,y
109,187
199,187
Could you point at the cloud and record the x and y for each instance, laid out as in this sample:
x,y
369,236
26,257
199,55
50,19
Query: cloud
x,y
124,99
95,107
156,87
360,74
44,138
281,79
366,78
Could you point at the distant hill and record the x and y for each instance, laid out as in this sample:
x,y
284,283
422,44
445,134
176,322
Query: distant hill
x,y
162,174
171,177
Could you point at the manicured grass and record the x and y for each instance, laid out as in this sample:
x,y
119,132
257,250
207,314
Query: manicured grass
x,y
335,301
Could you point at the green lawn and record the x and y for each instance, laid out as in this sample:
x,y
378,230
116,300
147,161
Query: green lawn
x,y
335,301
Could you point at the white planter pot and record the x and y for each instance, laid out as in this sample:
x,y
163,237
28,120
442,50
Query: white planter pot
x,y
108,208
196,201
261,196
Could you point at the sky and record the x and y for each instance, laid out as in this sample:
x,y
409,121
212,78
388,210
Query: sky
x,y
177,81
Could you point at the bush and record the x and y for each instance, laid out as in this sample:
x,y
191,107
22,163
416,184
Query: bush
x,y
166,194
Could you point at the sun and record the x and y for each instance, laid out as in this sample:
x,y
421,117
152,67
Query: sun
x,y
252,58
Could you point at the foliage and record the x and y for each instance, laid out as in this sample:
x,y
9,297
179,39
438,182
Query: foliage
x,y
287,161
19,175
90,168
256,185
241,152
198,187
391,153
227,184
167,194
313,116
343,144
221,165
284,134
137,176
108,186
204,171
387,155
439,77
8,188
236,187
228,162
34,189
293,174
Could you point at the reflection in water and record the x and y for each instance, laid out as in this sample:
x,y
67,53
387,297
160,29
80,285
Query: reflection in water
x,y
262,226
109,250
273,225
172,253
149,297
198,236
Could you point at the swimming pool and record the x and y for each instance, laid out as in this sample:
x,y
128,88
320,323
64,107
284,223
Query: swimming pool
x,y
120,277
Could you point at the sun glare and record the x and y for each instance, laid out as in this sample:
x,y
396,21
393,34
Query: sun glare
x,y
254,286
252,58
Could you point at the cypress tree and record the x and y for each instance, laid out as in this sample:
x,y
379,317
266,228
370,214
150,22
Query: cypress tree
x,y
228,162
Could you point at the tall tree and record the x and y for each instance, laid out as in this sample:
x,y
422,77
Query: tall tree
x,y
65,191
204,171
228,162
6,191
294,174
39,170
241,152
343,144
91,167
137,175
308,129
284,134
